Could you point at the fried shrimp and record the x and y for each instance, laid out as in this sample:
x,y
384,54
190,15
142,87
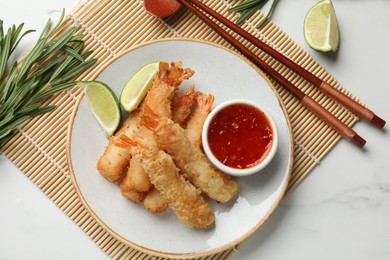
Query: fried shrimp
x,y
162,91
135,185
195,123
136,178
154,202
159,100
182,197
190,159
182,105
113,163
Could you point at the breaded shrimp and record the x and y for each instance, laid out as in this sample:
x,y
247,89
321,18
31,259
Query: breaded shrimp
x,y
159,100
190,159
182,197
182,105
136,178
113,163
134,186
154,202
195,123
162,91
135,181
134,196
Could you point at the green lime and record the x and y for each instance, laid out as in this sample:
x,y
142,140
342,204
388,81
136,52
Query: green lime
x,y
103,103
138,85
320,28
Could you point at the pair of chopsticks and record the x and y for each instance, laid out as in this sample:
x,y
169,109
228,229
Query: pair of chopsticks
x,y
203,12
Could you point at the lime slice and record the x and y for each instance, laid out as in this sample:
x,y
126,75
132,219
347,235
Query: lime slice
x,y
103,103
320,28
138,85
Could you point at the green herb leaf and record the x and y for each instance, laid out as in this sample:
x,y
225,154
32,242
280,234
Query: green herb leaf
x,y
246,5
47,69
54,90
269,14
9,128
249,7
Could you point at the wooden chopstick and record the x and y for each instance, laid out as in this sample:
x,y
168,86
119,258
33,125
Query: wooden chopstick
x,y
345,131
354,106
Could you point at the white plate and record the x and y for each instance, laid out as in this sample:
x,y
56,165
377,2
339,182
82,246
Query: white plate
x,y
225,75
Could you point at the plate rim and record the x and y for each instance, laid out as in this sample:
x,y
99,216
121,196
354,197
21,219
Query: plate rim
x,y
158,253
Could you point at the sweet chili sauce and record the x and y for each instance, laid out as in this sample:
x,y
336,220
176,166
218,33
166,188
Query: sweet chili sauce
x,y
240,136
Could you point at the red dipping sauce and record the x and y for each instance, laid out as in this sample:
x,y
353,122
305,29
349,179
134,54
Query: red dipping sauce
x,y
240,136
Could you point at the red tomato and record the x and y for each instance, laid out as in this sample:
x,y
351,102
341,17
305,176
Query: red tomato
x,y
162,8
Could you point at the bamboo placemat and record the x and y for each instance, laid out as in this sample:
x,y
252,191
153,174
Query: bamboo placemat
x,y
112,26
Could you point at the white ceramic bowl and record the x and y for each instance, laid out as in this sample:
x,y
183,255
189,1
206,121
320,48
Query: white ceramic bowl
x,y
232,170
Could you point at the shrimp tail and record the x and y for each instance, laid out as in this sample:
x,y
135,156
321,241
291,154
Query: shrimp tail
x,y
123,141
174,73
205,102
194,125
190,90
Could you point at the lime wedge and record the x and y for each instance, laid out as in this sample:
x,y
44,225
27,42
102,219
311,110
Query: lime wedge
x,y
137,87
103,103
320,28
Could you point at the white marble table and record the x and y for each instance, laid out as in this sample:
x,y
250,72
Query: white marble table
x,y
341,211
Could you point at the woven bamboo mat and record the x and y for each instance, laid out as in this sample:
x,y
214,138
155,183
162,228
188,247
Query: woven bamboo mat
x,y
112,26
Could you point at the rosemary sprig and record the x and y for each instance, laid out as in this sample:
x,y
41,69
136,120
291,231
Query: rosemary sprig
x,y
247,8
46,70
